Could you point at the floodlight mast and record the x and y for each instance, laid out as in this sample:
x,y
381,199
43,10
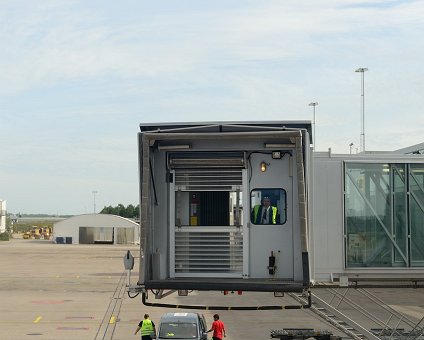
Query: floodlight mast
x,y
362,70
94,200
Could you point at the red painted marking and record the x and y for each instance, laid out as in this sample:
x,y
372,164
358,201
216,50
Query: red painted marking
x,y
48,302
72,328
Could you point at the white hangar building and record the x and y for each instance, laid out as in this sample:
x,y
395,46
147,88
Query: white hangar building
x,y
96,229
2,216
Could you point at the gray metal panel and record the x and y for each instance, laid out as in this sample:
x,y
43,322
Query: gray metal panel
x,y
160,216
328,217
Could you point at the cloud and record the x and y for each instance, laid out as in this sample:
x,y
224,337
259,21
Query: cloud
x,y
65,41
78,77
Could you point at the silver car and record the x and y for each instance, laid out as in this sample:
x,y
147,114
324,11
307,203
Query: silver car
x,y
182,326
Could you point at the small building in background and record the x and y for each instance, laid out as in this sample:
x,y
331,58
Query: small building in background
x,y
96,229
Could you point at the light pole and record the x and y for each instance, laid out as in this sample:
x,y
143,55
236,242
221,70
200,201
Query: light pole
x,y
313,104
350,147
362,70
94,199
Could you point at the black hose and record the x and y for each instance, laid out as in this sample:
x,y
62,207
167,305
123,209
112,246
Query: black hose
x,y
275,307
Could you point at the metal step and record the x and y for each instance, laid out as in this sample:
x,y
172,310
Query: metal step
x,y
338,320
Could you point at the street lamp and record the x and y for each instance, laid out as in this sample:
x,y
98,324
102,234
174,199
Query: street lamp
x,y
362,70
94,199
350,147
313,104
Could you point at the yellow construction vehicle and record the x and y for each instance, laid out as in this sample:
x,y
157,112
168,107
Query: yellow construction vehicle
x,y
36,232
46,232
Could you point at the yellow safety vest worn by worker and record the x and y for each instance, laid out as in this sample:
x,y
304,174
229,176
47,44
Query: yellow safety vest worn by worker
x,y
146,327
255,214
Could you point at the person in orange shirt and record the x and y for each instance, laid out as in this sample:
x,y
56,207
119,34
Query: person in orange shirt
x,y
218,328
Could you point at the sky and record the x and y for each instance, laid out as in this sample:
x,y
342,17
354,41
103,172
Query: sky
x,y
78,77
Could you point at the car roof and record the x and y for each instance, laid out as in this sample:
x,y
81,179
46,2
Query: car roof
x,y
179,317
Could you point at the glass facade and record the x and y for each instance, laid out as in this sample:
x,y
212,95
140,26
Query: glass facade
x,y
384,215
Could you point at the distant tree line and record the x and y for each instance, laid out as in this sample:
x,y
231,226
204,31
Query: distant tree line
x,y
130,211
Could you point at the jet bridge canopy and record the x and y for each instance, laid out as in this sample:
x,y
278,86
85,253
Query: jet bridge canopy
x,y
202,189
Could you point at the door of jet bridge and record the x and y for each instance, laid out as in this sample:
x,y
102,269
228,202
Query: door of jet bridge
x,y
206,226
271,225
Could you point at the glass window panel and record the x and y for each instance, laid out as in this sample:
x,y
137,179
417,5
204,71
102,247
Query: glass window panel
x,y
400,213
268,206
368,215
178,330
208,208
416,181
384,204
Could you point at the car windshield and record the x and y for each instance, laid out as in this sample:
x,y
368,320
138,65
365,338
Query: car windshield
x,y
169,330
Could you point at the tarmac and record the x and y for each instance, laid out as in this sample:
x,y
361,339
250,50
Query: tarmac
x,y
64,291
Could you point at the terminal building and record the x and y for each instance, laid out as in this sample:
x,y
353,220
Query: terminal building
x,y
368,215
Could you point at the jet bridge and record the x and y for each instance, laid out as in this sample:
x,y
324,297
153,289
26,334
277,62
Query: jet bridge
x,y
204,190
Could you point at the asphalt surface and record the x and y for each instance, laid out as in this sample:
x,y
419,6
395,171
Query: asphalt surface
x,y
61,291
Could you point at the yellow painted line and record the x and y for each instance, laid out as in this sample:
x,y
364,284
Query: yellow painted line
x,y
37,319
112,319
